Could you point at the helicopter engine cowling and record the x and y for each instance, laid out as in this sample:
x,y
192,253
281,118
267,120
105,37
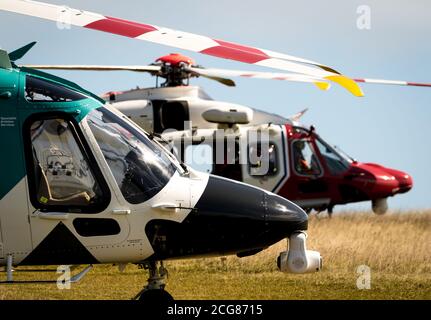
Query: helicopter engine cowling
x,y
229,116
297,259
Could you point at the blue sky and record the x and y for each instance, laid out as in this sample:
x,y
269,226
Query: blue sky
x,y
389,126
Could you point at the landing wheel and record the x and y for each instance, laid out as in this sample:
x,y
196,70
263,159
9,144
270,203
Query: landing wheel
x,y
155,303
156,297
154,294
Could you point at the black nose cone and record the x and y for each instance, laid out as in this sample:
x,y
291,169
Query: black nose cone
x,y
229,217
283,217
232,200
247,214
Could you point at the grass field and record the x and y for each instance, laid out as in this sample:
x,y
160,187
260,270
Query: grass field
x,y
396,247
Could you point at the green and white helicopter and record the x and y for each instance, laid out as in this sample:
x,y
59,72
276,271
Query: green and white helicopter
x,y
82,184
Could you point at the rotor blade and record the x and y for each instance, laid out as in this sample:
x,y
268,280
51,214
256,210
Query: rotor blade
x,y
151,69
319,82
393,82
183,40
225,81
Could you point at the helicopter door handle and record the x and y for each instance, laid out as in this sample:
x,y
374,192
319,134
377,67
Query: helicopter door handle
x,y
54,215
5,95
121,211
169,207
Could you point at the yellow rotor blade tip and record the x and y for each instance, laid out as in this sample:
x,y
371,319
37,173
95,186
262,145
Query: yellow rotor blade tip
x,y
323,85
347,83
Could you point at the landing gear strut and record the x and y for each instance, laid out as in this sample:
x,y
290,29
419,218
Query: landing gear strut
x,y
154,292
330,211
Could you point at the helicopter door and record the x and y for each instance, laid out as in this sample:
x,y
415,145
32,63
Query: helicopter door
x,y
310,185
170,115
266,161
220,157
65,186
227,162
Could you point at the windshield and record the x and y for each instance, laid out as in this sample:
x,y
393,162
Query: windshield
x,y
344,154
140,167
336,162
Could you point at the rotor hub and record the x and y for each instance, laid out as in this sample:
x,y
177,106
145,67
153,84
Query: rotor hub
x,y
176,59
173,69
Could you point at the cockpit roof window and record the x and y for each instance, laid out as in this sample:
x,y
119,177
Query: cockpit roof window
x,y
40,90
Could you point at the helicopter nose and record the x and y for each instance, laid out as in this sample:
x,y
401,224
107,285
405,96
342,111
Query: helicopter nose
x,y
238,200
393,182
245,212
229,218
283,217
405,181
386,183
233,200
234,217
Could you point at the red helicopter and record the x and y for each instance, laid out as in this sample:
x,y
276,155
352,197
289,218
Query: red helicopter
x,y
323,176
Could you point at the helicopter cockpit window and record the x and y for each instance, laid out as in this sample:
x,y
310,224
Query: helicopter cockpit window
x,y
267,165
61,176
304,158
335,162
39,90
140,168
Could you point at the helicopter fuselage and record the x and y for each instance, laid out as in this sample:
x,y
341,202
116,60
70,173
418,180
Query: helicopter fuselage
x,y
316,177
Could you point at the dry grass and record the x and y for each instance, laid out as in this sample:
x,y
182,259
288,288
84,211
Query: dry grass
x,y
397,248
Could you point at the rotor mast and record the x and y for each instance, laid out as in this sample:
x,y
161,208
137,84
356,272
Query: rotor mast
x,y
173,70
